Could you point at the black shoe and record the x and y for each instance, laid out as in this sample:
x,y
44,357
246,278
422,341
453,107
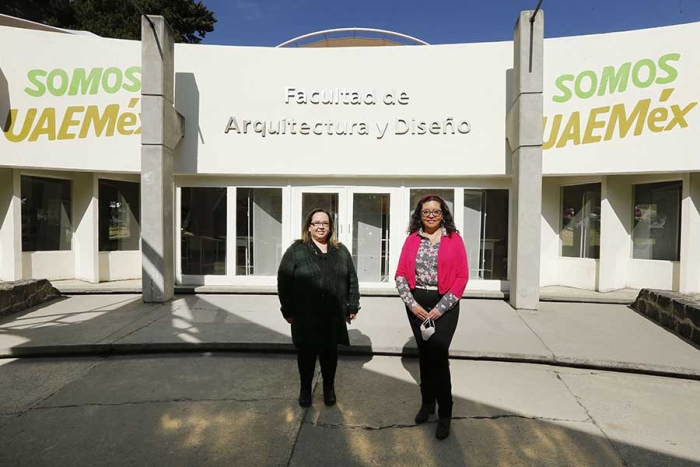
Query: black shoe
x,y
329,395
426,410
305,397
443,428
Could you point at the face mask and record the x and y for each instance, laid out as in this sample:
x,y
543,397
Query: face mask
x,y
427,329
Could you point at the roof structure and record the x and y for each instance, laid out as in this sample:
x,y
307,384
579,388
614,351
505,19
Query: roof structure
x,y
352,37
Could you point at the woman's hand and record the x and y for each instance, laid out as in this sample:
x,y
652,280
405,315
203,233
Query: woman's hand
x,y
434,314
419,312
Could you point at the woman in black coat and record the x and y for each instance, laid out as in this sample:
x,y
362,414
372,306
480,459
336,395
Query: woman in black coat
x,y
318,290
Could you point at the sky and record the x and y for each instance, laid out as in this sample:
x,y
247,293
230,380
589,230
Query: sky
x,y
271,22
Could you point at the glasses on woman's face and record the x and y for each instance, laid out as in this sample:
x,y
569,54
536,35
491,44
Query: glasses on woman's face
x,y
431,212
320,224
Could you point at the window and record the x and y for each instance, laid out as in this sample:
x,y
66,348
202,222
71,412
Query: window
x,y
447,195
203,231
119,215
485,233
370,236
580,225
657,220
46,214
258,231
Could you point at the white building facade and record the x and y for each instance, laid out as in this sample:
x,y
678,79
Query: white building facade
x,y
271,133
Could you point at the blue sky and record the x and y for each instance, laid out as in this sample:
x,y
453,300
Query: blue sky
x,y
270,22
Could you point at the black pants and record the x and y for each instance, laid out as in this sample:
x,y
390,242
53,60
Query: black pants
x,y
435,378
306,361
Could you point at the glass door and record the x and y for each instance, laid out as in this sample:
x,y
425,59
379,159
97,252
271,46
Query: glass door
x,y
363,218
333,200
370,231
473,235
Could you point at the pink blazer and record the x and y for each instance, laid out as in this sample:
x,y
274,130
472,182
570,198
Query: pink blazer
x,y
453,271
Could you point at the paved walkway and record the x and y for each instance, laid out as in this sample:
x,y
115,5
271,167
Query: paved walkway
x,y
240,409
604,336
550,293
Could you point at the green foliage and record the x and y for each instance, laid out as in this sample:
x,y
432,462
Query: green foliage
x,y
190,19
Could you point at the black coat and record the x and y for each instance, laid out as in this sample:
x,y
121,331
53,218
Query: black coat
x,y
318,303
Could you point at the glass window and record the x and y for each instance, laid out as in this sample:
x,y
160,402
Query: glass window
x,y
203,231
447,195
485,233
657,221
119,215
370,236
327,201
258,231
46,214
580,226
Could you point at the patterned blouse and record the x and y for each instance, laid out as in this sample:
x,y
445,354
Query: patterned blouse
x,y
426,274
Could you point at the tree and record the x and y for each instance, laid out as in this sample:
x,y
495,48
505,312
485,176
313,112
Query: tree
x,y
190,19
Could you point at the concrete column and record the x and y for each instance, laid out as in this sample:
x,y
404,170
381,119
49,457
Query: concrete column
x,y
524,133
162,130
690,235
85,219
615,233
10,225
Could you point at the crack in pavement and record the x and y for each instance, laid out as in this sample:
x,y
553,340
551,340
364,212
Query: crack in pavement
x,y
590,417
156,311
160,401
535,334
413,425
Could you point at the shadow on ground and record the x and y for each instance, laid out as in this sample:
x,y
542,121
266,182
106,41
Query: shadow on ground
x,y
240,408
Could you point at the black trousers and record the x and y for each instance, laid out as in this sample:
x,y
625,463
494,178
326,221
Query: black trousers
x,y
435,378
306,361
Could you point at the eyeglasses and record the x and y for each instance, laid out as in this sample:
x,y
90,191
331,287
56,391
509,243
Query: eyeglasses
x,y
320,224
434,212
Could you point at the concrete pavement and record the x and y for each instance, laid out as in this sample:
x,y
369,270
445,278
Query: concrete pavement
x,y
86,399
603,336
226,409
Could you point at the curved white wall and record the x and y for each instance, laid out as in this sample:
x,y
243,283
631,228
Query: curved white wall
x,y
659,70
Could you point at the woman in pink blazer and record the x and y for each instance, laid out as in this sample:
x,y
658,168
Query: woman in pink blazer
x,y
431,278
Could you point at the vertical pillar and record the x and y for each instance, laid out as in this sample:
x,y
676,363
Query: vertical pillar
x,y
162,129
85,218
524,132
615,227
10,225
690,235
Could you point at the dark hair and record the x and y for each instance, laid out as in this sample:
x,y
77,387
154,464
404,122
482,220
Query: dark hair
x,y
306,236
447,220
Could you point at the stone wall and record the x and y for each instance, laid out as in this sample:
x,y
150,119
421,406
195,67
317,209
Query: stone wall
x,y
677,312
19,295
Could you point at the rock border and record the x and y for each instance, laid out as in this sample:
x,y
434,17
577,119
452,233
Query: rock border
x,y
16,296
676,312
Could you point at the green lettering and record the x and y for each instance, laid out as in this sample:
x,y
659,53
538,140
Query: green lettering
x,y
562,87
85,84
132,75
611,82
590,74
652,73
33,76
671,72
118,77
51,82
